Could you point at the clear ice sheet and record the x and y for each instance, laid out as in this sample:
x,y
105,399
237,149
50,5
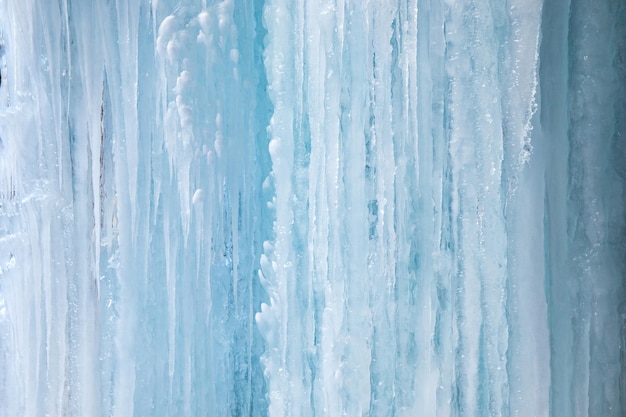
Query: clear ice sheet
x,y
312,208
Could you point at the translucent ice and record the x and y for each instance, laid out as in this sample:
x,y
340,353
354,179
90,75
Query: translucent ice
x,y
312,208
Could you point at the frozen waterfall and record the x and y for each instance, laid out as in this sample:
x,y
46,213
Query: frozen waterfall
x,y
307,208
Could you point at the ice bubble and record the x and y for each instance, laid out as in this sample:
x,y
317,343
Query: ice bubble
x,y
173,50
234,55
182,82
168,26
205,21
166,31
219,144
266,266
198,197
185,113
274,147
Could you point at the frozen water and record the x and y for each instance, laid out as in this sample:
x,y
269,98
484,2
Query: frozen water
x,y
313,208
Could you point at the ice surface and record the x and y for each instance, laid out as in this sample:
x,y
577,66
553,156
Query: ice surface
x,y
312,208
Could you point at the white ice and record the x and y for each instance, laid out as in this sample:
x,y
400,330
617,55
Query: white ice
x,y
312,208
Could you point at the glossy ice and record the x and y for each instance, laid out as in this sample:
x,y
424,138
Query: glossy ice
x,y
312,208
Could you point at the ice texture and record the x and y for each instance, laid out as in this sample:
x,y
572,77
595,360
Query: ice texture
x,y
313,208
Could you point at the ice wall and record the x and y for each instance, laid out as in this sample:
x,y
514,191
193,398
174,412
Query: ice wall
x,y
132,209
312,208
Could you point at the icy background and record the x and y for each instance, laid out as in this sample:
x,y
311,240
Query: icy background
x,y
313,208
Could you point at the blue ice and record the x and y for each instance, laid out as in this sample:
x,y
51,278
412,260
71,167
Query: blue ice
x,y
313,208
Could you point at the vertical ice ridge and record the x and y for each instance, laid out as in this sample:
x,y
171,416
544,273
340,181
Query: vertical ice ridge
x,y
476,154
312,109
321,89
316,117
109,247
331,42
83,285
89,61
34,274
519,29
381,201
522,183
554,125
418,375
127,21
462,150
593,188
120,185
433,158
356,353
282,65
